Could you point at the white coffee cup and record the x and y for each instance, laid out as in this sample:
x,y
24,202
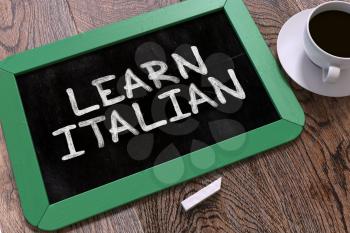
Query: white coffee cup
x,y
331,65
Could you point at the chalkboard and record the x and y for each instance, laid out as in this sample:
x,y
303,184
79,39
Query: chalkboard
x,y
48,108
100,116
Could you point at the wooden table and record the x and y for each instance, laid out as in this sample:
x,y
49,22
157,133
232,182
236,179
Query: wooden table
x,y
303,186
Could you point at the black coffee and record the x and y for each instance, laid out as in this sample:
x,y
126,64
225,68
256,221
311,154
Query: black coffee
x,y
331,32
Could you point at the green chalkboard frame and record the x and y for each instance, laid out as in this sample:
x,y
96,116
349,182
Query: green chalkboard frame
x,y
34,201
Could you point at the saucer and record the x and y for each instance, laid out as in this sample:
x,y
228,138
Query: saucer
x,y
290,49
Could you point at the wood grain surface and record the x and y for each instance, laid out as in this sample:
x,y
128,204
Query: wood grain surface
x,y
303,186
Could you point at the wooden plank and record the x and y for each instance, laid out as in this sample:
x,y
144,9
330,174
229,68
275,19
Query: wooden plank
x,y
90,14
29,24
271,15
123,219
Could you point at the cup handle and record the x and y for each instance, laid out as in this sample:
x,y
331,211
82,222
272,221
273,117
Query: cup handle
x,y
330,74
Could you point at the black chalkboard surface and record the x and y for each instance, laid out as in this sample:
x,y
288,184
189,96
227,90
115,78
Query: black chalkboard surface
x,y
47,106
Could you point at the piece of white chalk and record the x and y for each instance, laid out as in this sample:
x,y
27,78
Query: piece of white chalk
x,y
201,195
